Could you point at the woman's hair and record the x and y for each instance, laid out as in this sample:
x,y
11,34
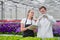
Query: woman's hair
x,y
28,14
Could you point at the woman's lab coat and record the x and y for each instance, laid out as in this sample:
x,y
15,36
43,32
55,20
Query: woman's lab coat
x,y
45,27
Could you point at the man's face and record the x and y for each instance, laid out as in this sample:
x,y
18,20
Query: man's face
x,y
43,11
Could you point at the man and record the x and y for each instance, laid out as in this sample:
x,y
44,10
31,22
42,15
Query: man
x,y
44,24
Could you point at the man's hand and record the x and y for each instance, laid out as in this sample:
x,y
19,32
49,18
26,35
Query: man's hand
x,y
45,16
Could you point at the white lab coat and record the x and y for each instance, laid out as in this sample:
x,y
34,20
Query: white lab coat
x,y
45,27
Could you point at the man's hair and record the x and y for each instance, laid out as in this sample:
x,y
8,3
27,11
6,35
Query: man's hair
x,y
42,7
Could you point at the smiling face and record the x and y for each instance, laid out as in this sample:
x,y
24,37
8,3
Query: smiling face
x,y
42,10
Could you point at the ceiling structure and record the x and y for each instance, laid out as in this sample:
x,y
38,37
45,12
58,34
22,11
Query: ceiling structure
x,y
53,6
37,3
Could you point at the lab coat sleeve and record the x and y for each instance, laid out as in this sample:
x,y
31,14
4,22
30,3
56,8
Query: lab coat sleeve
x,y
51,19
38,21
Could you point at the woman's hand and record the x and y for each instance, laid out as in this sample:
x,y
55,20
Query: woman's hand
x,y
35,30
23,28
32,27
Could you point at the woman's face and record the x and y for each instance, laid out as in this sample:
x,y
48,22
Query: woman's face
x,y
31,13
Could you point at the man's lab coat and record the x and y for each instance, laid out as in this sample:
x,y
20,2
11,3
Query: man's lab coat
x,y
45,27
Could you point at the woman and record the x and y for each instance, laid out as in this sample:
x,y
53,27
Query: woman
x,y
26,22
